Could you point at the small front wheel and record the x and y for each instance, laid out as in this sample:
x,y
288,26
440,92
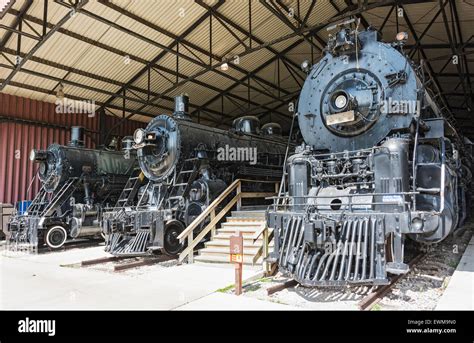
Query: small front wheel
x,y
55,237
172,246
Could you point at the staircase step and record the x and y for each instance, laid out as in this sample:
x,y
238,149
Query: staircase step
x,y
243,224
246,219
226,243
226,236
260,207
249,213
248,260
250,251
246,231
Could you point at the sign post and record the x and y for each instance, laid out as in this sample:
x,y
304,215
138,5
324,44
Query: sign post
x,y
237,257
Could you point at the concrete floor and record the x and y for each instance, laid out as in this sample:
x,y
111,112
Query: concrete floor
x,y
459,295
39,282
224,301
45,282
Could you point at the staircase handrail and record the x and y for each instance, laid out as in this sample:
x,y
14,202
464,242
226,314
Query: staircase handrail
x,y
187,234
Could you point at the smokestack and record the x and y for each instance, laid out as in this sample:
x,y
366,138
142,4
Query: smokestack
x,y
181,106
77,136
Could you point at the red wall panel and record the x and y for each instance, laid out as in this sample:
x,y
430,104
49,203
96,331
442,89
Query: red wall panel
x,y
18,137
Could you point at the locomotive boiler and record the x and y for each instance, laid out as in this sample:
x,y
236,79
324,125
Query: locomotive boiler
x,y
76,184
381,162
187,166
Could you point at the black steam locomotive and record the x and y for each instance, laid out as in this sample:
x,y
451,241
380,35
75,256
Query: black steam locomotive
x,y
187,166
76,184
381,162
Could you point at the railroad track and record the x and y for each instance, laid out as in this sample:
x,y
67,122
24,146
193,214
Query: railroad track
x,y
72,245
368,302
127,262
67,246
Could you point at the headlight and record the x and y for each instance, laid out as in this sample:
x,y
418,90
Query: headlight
x,y
139,136
32,154
38,155
341,101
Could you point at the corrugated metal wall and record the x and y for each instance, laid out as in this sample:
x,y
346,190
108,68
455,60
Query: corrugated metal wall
x,y
26,124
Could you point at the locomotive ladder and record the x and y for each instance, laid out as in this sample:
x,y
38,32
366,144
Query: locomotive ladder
x,y
38,203
65,191
130,190
40,200
435,94
186,176
180,180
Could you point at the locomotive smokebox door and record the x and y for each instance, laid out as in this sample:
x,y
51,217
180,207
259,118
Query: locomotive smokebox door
x,y
236,248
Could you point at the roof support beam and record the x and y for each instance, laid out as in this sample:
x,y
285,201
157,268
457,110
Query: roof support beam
x,y
167,49
105,47
21,13
439,46
226,21
430,69
359,16
79,5
45,91
13,30
152,62
271,6
386,19
302,24
312,31
261,67
453,74
427,28
451,39
467,73
182,41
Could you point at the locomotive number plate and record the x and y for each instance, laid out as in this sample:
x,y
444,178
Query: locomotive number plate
x,y
338,118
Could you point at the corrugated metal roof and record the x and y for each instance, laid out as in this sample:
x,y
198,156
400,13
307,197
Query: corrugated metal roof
x,y
96,48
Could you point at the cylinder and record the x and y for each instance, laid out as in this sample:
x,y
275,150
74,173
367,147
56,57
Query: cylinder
x,y
77,136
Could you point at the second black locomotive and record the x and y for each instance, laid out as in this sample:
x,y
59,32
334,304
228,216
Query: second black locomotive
x,y
187,166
